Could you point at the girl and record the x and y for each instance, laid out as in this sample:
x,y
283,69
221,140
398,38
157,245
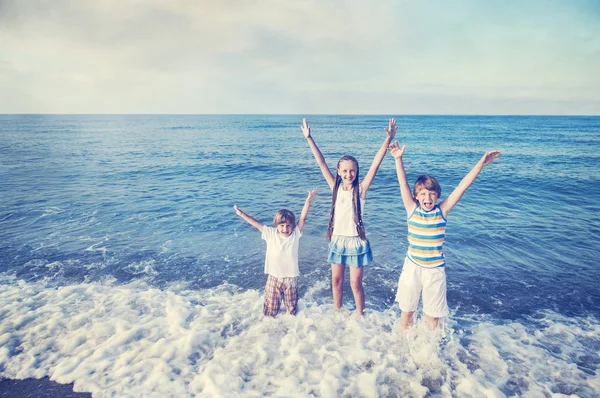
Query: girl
x,y
348,244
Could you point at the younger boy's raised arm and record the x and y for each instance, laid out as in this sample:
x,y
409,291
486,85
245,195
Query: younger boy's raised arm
x,y
249,219
451,201
311,195
390,133
407,197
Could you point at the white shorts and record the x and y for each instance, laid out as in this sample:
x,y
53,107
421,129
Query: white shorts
x,y
431,281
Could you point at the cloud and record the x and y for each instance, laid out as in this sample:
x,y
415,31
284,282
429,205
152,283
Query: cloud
x,y
274,56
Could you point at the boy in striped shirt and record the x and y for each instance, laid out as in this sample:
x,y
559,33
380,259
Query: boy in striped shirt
x,y
424,265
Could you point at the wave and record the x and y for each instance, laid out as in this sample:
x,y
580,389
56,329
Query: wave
x,y
136,340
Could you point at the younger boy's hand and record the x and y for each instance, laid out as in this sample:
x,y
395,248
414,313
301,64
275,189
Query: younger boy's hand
x,y
396,150
311,195
490,157
391,130
237,210
305,128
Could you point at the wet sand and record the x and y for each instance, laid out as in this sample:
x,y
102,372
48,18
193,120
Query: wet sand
x,y
34,388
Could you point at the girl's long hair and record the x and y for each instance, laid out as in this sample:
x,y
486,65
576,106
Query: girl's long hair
x,y
355,201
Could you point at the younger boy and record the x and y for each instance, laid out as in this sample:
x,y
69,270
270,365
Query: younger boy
x,y
281,262
424,265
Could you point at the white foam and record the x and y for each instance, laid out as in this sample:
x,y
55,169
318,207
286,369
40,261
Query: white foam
x,y
136,340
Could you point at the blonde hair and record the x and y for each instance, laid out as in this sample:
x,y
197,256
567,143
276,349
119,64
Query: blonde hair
x,y
284,216
360,228
427,182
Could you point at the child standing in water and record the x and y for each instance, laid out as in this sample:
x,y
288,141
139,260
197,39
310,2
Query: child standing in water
x,y
424,265
348,244
281,262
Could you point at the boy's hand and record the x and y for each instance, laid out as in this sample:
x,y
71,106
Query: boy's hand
x,y
391,130
311,195
237,210
489,157
305,128
396,150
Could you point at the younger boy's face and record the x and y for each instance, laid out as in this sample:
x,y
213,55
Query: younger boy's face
x,y
427,198
285,229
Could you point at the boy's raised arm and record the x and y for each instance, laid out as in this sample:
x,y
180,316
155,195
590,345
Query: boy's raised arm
x,y
451,201
329,177
366,182
249,219
311,195
409,202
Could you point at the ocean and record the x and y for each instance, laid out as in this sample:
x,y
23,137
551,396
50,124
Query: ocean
x,y
125,270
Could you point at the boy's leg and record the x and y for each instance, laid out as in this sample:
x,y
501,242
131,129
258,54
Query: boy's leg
x,y
272,297
406,319
356,277
409,292
290,295
337,279
435,305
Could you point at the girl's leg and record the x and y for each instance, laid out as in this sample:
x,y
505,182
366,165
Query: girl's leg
x,y
337,280
290,295
356,277
406,319
272,297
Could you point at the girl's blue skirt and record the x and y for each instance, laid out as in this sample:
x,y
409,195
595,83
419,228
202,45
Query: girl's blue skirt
x,y
349,250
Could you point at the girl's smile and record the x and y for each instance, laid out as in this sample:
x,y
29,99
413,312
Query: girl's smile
x,y
347,171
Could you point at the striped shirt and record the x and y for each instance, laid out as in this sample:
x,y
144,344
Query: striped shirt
x,y
426,232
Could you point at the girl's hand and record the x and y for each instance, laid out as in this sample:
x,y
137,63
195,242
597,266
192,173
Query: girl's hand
x,y
237,210
391,130
396,150
489,157
305,128
311,195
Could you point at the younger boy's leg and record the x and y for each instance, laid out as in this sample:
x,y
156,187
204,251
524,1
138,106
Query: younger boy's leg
x,y
290,294
272,297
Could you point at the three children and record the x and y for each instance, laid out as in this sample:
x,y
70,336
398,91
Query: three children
x,y
423,272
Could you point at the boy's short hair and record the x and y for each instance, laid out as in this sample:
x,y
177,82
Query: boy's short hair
x,y
427,182
284,216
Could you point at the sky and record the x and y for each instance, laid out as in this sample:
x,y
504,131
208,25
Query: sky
x,y
300,57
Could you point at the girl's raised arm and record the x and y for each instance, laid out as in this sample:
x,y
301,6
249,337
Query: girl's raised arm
x,y
330,178
409,202
306,208
451,201
249,219
366,182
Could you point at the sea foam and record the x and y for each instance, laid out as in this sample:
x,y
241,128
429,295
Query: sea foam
x,y
134,340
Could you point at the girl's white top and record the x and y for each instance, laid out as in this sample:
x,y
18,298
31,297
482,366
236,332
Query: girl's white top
x,y
282,253
343,218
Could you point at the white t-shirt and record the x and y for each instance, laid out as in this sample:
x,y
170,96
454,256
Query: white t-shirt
x,y
282,253
343,219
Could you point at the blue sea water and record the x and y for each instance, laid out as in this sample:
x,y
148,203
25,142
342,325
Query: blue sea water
x,y
140,207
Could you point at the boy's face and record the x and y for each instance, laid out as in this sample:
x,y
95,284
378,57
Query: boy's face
x,y
427,198
347,170
285,229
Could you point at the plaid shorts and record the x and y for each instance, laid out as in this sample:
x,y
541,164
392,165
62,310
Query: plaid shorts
x,y
275,289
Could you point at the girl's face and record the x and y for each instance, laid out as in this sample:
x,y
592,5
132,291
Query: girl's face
x,y
427,198
347,170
